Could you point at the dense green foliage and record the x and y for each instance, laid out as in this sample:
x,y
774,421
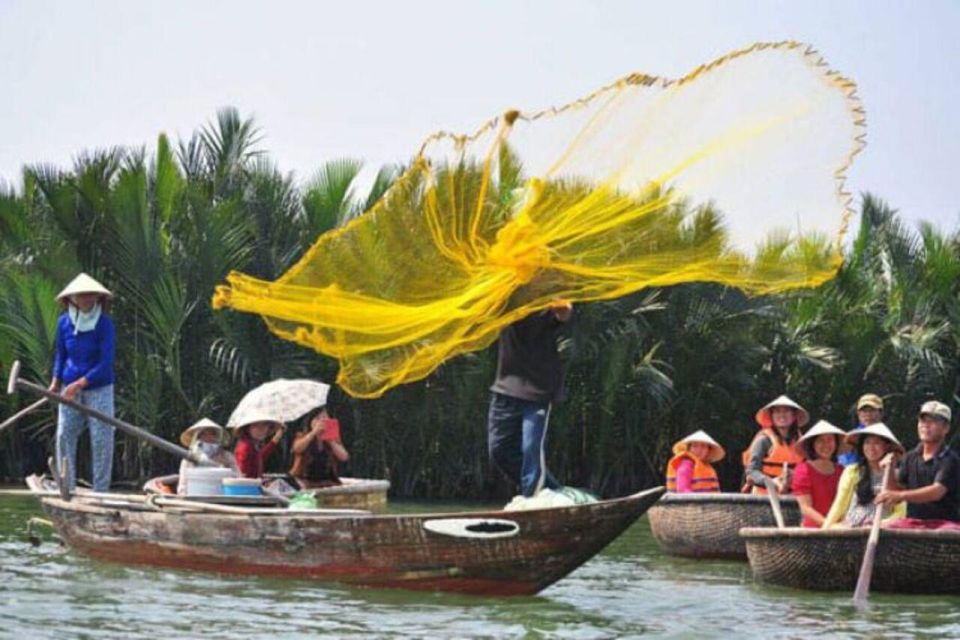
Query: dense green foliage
x,y
162,228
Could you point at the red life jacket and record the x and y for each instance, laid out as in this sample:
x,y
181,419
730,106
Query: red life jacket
x,y
704,478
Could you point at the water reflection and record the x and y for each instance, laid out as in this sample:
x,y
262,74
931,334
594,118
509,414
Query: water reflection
x,y
631,589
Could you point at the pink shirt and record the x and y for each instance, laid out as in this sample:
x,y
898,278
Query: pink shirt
x,y
821,488
685,476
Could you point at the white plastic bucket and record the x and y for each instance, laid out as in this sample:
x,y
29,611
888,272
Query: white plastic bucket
x,y
206,481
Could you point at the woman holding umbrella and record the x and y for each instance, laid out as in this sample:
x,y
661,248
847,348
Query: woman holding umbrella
x,y
261,414
252,450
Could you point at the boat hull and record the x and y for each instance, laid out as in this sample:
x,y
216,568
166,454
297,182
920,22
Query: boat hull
x,y
907,561
495,553
707,525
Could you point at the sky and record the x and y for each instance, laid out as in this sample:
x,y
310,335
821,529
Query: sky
x,y
370,80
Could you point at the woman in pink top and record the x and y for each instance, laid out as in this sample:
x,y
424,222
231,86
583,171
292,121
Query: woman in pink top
x,y
816,478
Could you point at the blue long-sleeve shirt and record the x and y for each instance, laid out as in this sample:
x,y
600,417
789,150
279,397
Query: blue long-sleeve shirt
x,y
88,354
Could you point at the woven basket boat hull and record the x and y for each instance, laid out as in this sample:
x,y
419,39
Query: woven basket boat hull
x,y
907,561
707,525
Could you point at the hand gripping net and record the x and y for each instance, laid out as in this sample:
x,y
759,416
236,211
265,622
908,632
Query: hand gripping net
x,y
732,174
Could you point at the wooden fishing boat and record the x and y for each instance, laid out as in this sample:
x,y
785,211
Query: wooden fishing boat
x,y
484,553
707,525
352,493
907,560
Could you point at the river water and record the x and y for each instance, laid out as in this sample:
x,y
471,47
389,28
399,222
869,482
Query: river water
x,y
629,590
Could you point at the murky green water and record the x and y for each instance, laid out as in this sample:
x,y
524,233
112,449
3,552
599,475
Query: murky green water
x,y
629,590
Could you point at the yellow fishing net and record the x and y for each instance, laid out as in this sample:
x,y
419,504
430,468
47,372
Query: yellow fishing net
x,y
732,174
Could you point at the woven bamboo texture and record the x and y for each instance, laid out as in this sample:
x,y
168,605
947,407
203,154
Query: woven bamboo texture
x,y
707,525
907,561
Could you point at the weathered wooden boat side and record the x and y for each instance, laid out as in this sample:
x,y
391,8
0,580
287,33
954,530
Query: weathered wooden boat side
x,y
707,525
907,561
486,553
352,493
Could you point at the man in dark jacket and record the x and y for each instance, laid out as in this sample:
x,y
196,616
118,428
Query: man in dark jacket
x,y
529,380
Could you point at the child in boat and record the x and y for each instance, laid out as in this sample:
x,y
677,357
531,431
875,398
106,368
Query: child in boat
x,y
774,447
252,451
691,468
207,437
861,482
817,477
869,411
318,451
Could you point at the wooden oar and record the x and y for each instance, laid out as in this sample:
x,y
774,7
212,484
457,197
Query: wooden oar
x,y
866,569
19,414
15,382
774,496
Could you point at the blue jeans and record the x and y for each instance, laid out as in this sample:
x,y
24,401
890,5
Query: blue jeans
x,y
516,430
70,425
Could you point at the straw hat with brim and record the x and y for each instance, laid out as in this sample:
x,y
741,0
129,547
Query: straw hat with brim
x,y
716,451
878,429
83,284
186,438
822,428
765,420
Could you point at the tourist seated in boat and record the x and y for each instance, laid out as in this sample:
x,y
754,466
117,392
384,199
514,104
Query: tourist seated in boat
x,y
208,438
253,449
318,451
863,481
927,478
774,448
691,468
869,412
816,479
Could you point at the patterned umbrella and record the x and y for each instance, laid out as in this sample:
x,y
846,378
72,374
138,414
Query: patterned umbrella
x,y
279,401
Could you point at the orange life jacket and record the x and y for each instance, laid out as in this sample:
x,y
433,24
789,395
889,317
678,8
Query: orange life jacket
x,y
704,478
773,464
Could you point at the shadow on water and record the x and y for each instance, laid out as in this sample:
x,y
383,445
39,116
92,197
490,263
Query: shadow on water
x,y
629,590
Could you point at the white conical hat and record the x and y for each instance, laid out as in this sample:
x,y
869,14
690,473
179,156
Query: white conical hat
x,y
716,451
83,284
822,428
186,438
877,429
763,415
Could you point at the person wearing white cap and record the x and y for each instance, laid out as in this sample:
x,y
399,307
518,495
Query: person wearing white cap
x,y
816,478
862,481
205,437
83,366
927,480
774,447
691,468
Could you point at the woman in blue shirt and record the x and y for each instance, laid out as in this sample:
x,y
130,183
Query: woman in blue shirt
x,y
83,367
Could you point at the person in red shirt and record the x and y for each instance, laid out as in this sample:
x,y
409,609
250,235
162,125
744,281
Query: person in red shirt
x,y
252,449
816,478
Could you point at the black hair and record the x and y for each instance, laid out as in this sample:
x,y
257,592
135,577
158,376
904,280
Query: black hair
x,y
792,435
811,453
865,493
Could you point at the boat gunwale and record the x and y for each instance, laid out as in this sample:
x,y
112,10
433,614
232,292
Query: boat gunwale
x,y
98,505
808,533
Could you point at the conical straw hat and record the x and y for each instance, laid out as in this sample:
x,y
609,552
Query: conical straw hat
x,y
822,428
766,421
877,429
716,451
186,438
83,284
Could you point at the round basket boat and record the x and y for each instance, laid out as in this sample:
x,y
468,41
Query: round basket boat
x,y
707,525
907,560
